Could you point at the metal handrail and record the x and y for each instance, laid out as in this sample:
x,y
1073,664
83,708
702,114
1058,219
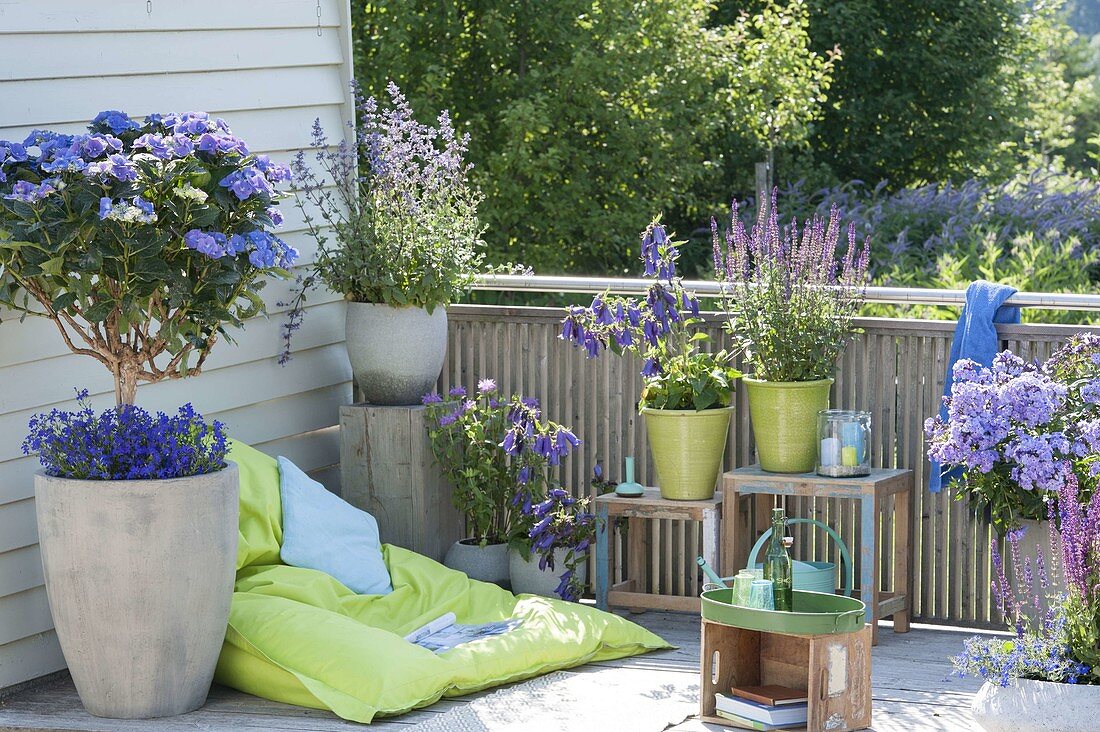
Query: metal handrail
x,y
710,288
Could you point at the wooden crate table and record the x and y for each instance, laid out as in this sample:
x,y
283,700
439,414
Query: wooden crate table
x,y
835,671
631,592
869,490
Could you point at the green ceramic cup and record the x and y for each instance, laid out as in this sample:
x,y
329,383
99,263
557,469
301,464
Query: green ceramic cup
x,y
784,421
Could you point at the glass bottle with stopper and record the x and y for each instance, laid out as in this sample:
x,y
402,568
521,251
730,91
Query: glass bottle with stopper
x,y
777,562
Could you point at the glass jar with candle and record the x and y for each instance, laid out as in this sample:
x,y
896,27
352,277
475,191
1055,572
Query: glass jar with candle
x,y
843,443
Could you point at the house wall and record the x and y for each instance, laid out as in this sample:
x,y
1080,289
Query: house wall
x,y
262,66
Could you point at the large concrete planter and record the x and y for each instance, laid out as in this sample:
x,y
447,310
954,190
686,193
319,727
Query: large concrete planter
x,y
1037,706
687,449
139,576
527,578
396,353
784,422
487,563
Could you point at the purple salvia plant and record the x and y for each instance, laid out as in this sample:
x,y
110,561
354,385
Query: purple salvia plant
x,y
1043,646
788,297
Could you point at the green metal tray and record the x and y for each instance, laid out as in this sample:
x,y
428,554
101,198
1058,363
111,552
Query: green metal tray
x,y
815,613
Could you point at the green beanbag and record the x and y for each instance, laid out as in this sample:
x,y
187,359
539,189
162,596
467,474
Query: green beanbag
x,y
299,636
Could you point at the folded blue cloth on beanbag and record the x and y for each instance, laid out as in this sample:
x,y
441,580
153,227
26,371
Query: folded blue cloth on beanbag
x,y
324,532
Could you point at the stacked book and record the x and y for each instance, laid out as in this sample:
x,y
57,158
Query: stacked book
x,y
763,707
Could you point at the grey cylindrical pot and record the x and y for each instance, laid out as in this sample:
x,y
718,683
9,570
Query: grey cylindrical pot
x,y
139,575
527,578
1036,706
396,353
487,563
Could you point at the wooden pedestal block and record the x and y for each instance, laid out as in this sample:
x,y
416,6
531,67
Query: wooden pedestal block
x,y
835,671
387,469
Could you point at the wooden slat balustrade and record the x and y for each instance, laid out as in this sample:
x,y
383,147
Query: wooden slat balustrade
x,y
894,369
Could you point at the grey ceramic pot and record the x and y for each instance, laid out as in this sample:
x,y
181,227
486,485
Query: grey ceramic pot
x,y
488,563
396,353
139,575
527,578
1037,706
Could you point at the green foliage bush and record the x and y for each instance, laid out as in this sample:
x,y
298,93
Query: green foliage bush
x,y
585,117
931,90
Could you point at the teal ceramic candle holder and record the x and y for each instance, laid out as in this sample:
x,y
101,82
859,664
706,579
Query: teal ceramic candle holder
x,y
628,488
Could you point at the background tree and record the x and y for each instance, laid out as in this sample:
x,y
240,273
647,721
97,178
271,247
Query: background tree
x,y
587,118
930,90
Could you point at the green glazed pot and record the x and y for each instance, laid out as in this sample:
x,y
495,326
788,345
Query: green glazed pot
x,y
784,421
687,449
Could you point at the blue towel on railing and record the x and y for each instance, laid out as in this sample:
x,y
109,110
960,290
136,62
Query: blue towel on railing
x,y
975,338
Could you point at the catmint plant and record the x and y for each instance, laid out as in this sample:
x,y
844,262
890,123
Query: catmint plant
x,y
140,240
125,443
1019,431
659,330
788,297
393,211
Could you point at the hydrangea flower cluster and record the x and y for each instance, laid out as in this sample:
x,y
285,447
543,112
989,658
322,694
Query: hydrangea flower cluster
x,y
497,453
1020,430
173,212
125,443
658,329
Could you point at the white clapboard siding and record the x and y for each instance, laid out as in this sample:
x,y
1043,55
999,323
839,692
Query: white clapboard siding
x,y
262,66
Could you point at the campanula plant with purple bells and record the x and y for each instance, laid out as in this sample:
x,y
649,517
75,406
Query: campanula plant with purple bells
x,y
495,450
563,523
498,453
660,330
140,240
686,392
1019,430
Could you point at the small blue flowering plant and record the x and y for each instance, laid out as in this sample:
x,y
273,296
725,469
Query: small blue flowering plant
x,y
659,329
125,443
1056,636
140,240
498,453
1018,430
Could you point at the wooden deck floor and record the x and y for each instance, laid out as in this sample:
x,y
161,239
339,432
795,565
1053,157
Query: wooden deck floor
x,y
910,692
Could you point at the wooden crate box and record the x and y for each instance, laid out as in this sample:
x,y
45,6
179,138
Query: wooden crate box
x,y
835,671
387,469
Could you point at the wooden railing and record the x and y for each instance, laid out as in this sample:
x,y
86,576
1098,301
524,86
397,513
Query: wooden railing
x,y
894,369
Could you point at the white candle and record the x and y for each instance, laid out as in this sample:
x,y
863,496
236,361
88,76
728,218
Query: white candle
x,y
830,451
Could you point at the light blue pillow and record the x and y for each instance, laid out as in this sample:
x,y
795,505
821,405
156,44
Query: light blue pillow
x,y
324,532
